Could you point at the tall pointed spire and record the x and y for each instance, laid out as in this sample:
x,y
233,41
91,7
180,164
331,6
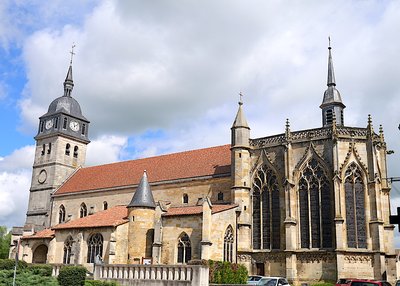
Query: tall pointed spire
x,y
69,83
240,119
332,104
143,196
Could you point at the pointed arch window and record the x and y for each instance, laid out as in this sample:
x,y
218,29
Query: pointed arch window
x,y
95,247
184,249
354,189
266,210
67,149
315,201
68,250
76,152
83,210
61,214
228,244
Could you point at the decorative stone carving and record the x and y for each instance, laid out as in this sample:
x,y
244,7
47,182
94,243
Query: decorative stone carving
x,y
244,258
359,258
352,150
312,257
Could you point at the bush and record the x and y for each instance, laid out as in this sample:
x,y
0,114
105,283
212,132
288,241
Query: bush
x,y
25,278
100,283
9,264
40,269
72,276
227,273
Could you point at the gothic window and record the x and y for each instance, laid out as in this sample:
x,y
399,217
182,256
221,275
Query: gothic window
x,y
67,149
76,152
355,207
315,201
67,250
184,249
266,210
61,214
83,129
83,210
49,150
185,198
220,196
95,247
65,123
105,205
228,244
329,116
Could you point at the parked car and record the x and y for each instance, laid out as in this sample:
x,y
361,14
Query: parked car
x,y
343,281
270,281
253,279
366,282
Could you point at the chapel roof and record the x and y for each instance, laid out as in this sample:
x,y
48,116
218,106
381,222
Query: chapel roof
x,y
113,216
45,233
195,210
213,161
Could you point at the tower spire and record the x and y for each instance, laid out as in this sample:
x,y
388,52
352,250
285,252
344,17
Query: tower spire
x,y
69,83
332,104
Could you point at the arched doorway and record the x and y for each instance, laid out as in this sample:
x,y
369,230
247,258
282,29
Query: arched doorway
x,y
40,254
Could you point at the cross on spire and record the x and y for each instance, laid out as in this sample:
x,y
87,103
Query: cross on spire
x,y
72,52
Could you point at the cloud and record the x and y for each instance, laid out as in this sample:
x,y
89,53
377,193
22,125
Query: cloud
x,y
105,149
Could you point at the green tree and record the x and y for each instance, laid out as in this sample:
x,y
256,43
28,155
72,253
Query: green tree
x,y
5,240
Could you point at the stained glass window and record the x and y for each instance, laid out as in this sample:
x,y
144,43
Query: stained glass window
x,y
266,210
316,212
355,208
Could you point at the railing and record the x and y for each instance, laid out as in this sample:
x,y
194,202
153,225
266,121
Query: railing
x,y
56,269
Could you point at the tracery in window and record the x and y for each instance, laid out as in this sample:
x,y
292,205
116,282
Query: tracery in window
x,y
68,250
315,201
266,210
228,244
61,214
95,247
184,249
355,207
83,210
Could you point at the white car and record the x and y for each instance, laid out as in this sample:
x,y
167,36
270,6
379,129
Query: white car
x,y
271,281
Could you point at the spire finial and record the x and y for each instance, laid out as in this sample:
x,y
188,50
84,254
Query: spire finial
x,y
329,41
240,98
72,53
331,74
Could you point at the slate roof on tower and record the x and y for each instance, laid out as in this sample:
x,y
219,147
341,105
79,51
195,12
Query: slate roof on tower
x,y
208,162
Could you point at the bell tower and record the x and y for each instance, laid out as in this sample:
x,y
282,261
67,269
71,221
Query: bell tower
x,y
61,144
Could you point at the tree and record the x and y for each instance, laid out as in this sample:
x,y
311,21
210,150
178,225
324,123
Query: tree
x,y
5,240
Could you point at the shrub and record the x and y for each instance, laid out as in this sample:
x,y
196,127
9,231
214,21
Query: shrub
x,y
9,264
72,276
25,278
227,273
99,283
40,269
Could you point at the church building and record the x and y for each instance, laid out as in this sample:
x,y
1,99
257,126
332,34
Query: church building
x,y
307,205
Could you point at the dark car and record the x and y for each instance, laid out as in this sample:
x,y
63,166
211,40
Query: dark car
x,y
366,282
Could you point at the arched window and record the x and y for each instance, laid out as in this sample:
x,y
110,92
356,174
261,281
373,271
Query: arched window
x,y
315,201
228,244
184,249
61,214
83,128
266,210
105,205
83,210
43,149
67,250
95,247
65,122
67,149
76,152
220,196
355,207
185,198
56,123
49,150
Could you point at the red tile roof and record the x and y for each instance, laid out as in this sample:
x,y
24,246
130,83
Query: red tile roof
x,y
46,233
188,164
195,210
111,217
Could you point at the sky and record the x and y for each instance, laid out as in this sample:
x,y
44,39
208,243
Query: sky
x,y
155,77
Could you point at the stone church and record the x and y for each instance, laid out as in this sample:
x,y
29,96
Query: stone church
x,y
308,205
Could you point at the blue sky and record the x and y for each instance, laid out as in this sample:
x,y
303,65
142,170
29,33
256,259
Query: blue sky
x,y
162,76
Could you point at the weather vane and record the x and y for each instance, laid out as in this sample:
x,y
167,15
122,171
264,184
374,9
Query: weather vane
x,y
240,98
329,40
72,52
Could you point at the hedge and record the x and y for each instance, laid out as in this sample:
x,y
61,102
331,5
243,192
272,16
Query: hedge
x,y
9,264
40,269
72,276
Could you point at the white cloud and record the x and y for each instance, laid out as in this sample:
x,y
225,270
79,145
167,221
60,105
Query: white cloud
x,y
106,149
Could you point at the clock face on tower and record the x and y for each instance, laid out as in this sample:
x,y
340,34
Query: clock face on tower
x,y
49,123
74,125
